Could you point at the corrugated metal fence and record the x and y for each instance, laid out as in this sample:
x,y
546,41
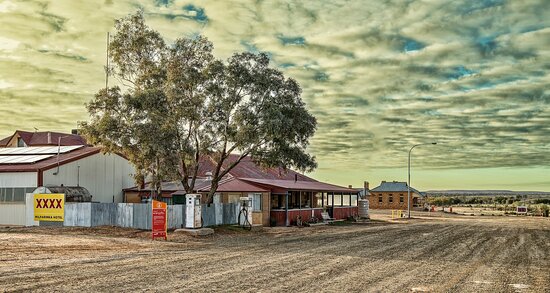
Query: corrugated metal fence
x,y
129,215
138,216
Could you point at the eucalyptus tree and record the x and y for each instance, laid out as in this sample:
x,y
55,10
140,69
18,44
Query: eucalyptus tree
x,y
178,105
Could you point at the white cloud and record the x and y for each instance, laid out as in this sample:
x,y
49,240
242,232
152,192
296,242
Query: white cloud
x,y
8,44
7,6
379,75
5,84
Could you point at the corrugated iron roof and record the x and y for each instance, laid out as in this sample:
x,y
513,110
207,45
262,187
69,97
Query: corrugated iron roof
x,y
247,168
52,161
169,186
394,186
234,185
301,185
72,193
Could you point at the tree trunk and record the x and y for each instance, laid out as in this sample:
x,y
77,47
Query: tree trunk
x,y
213,189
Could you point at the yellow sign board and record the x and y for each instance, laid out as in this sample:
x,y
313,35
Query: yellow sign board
x,y
49,207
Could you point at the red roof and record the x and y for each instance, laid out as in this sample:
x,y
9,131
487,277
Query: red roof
x,y
300,185
45,138
51,162
247,168
234,185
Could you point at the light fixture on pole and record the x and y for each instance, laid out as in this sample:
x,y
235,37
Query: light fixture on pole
x,y
409,181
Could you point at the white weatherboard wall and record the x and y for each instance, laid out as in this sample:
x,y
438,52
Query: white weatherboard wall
x,y
103,175
18,179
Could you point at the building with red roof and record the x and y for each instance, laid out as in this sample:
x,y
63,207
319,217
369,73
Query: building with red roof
x,y
279,196
23,169
41,138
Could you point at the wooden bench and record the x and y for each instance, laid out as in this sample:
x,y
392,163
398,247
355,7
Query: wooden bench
x,y
326,218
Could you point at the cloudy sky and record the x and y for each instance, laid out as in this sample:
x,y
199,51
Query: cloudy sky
x,y
380,76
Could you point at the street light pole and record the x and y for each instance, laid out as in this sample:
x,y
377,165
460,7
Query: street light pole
x,y
409,181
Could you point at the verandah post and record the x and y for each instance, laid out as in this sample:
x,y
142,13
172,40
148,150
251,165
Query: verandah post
x,y
286,210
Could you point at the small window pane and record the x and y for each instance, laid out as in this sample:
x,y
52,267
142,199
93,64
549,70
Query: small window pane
x,y
8,195
19,194
257,202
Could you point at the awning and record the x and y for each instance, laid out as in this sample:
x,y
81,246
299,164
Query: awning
x,y
301,185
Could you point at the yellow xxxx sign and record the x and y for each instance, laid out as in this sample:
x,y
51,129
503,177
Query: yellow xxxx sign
x,y
49,207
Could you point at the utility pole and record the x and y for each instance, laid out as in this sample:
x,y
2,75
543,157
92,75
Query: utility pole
x,y
409,181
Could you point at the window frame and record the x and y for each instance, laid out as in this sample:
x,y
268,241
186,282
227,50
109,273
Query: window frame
x,y
254,201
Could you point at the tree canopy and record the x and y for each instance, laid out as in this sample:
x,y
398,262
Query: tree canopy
x,y
177,103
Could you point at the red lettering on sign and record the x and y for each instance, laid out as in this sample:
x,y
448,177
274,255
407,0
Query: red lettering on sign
x,y
39,203
49,203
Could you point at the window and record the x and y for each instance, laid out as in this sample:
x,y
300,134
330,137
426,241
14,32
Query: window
x,y
401,198
16,194
353,200
379,198
256,202
337,200
20,143
19,194
390,198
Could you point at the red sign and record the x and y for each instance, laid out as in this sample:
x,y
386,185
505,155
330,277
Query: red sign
x,y
159,219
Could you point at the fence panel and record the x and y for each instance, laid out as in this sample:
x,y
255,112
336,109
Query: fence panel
x,y
125,215
104,214
230,213
142,216
208,215
175,216
78,214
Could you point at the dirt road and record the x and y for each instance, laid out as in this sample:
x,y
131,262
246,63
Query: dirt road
x,y
450,254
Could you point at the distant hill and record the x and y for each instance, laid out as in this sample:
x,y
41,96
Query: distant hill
x,y
486,193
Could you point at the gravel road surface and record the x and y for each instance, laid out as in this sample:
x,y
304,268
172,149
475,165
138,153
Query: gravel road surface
x,y
430,254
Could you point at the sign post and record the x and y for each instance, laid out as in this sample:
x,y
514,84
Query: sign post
x,y
160,220
49,207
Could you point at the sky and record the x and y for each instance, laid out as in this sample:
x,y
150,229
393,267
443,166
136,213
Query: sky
x,y
380,76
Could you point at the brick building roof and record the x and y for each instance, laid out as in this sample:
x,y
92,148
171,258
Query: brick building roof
x,y
393,186
45,138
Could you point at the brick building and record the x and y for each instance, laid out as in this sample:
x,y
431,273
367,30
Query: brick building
x,y
393,195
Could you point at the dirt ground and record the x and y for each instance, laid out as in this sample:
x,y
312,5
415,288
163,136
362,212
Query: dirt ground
x,y
431,253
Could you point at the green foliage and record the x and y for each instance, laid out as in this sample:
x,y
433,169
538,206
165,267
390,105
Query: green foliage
x,y
542,200
179,103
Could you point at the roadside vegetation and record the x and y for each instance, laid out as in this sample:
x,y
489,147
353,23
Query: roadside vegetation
x,y
506,204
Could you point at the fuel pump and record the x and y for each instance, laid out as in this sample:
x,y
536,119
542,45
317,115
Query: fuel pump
x,y
193,211
245,215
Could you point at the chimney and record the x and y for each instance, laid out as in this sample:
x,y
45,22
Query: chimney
x,y
295,177
74,131
366,185
49,137
350,186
